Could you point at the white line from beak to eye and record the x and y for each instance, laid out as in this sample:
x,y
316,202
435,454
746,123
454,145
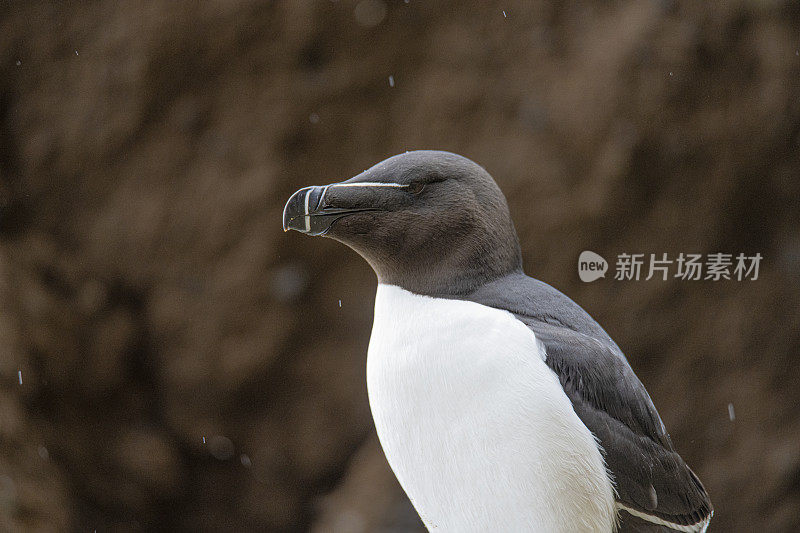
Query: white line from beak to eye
x,y
370,184
308,218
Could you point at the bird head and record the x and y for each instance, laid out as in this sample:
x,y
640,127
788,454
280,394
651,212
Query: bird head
x,y
431,222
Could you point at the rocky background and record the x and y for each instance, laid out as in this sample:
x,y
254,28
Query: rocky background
x,y
170,360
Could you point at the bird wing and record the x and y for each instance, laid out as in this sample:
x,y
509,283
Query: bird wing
x,y
653,483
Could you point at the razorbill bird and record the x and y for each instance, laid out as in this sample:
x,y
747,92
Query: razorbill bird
x,y
500,403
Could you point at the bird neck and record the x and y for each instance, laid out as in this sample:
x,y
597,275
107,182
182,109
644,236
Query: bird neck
x,y
451,276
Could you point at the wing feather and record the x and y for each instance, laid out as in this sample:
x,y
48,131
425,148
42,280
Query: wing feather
x,y
653,482
655,488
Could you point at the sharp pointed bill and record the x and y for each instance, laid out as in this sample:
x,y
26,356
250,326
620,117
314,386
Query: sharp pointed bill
x,y
500,403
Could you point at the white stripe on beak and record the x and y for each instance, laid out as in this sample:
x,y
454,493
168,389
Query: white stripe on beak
x,y
322,196
308,217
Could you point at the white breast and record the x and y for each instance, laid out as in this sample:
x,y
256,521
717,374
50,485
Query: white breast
x,y
475,425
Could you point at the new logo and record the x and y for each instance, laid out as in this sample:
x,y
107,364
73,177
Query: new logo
x,y
591,266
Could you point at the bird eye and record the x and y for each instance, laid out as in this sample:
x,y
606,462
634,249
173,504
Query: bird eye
x,y
416,187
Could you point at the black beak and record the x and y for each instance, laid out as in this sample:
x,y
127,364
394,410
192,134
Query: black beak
x,y
307,211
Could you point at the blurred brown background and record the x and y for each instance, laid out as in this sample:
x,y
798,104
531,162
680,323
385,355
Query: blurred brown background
x,y
187,366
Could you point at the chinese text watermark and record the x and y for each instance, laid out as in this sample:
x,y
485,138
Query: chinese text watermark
x,y
691,267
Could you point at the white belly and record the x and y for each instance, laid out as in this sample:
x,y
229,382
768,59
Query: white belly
x,y
475,425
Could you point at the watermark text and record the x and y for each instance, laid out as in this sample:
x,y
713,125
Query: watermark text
x,y
690,267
